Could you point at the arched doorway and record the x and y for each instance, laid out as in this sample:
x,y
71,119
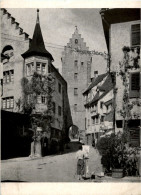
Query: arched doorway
x,y
74,132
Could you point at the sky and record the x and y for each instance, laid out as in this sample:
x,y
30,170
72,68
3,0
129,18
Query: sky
x,y
58,25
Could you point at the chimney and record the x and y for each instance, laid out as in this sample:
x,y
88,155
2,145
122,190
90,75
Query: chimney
x,y
95,74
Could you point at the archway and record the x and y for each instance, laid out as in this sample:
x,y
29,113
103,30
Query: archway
x,y
74,132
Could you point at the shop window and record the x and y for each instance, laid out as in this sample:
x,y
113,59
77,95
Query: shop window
x,y
134,85
135,35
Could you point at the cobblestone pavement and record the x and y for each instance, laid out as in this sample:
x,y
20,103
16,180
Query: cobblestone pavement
x,y
57,168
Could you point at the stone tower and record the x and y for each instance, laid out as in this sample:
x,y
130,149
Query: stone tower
x,y
76,70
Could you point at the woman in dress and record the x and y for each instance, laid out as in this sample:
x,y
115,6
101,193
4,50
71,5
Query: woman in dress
x,y
80,163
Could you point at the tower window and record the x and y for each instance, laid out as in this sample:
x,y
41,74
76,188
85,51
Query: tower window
x,y
43,68
75,91
75,107
29,69
76,41
75,76
75,63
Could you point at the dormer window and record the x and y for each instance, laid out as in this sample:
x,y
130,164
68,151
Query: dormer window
x,y
76,41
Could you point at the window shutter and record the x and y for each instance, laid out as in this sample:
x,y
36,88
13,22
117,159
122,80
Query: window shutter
x,y
135,35
134,85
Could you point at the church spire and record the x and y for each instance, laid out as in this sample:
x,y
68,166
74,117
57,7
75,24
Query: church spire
x,y
37,47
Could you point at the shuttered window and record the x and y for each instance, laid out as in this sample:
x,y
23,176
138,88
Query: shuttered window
x,y
135,35
134,87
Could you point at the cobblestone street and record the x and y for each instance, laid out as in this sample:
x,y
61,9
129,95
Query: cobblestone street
x,y
57,168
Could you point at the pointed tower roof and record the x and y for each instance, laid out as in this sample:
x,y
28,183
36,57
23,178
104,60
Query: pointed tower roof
x,y
37,47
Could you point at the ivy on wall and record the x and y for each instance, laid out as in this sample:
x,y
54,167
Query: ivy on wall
x,y
38,85
130,62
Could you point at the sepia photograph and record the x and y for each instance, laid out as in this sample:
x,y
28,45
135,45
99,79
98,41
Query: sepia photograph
x,y
70,95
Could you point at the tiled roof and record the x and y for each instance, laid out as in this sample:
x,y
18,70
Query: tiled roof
x,y
95,81
37,46
106,87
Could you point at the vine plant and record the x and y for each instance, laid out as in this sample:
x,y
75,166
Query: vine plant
x,y
129,62
38,85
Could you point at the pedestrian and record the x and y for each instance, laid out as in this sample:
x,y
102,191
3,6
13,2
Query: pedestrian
x,y
80,163
93,143
44,144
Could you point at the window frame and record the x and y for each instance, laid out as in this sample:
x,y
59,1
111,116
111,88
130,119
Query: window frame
x,y
59,88
8,102
75,91
75,76
59,111
134,31
76,41
134,93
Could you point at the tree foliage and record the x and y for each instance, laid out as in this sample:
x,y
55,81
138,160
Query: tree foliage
x,y
38,85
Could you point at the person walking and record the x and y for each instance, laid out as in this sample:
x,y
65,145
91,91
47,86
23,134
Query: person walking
x,y
44,144
80,163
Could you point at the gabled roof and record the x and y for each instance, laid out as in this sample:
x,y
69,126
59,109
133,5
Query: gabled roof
x,y
106,87
95,81
37,46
